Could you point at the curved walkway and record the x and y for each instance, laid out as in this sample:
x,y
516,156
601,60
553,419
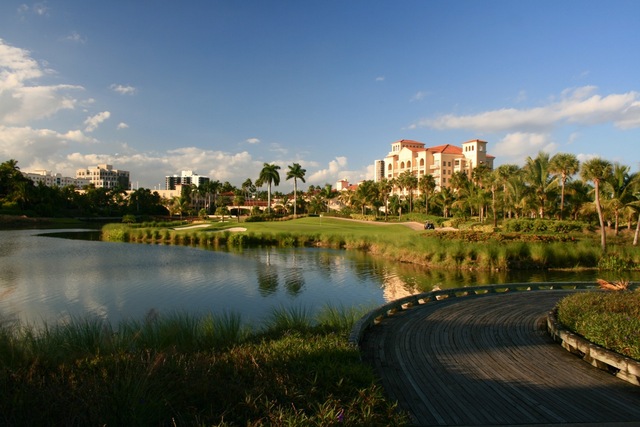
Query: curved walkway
x,y
487,361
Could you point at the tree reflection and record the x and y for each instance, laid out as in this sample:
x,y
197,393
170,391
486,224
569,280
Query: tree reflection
x,y
267,275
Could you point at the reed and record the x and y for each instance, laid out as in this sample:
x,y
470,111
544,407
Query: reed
x,y
178,369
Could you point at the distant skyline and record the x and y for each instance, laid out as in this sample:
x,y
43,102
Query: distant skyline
x,y
221,87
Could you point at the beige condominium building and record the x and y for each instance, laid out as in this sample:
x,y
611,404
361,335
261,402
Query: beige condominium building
x,y
440,161
105,176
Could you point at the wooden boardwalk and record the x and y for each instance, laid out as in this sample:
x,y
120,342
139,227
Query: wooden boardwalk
x,y
485,360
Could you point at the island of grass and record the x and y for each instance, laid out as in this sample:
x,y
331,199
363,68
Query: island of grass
x,y
551,244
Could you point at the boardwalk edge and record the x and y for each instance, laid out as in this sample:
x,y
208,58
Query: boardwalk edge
x,y
623,367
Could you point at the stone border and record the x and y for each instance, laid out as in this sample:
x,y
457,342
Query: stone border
x,y
623,367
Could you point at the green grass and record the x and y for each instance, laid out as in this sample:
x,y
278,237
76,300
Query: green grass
x,y
182,370
447,250
609,319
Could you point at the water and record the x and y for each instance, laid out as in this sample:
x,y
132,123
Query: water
x,y
51,279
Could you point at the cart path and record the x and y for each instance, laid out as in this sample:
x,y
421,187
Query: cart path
x,y
486,360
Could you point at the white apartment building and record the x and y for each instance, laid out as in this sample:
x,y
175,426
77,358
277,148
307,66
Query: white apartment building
x,y
440,161
185,178
105,176
55,180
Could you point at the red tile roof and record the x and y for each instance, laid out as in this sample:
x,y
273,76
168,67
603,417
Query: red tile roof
x,y
445,149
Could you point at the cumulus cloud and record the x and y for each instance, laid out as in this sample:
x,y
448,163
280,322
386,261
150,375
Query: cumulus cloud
x,y
579,106
93,122
37,146
335,170
122,125
22,102
123,90
253,141
517,146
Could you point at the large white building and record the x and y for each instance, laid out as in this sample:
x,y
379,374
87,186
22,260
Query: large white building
x,y
185,178
440,161
105,176
55,180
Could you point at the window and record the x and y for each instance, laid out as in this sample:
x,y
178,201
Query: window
x,y
409,164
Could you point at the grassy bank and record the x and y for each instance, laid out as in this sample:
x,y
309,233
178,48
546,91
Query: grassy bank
x,y
445,250
609,319
181,370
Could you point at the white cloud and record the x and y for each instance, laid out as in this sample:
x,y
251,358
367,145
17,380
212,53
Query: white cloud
x,y
93,122
253,141
123,90
21,103
419,96
122,125
580,106
380,78
37,146
75,37
516,147
335,170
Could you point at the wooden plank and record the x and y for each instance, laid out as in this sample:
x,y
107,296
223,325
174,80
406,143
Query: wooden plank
x,y
482,360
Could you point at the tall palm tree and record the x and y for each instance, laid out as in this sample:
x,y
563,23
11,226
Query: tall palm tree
x,y
409,182
269,175
297,173
506,173
541,183
385,187
427,185
597,170
564,165
620,185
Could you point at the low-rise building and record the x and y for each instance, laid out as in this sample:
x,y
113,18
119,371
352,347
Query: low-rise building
x,y
441,161
105,176
50,179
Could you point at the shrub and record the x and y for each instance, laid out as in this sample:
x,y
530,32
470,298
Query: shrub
x,y
609,319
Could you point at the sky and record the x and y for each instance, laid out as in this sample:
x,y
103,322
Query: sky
x,y
220,87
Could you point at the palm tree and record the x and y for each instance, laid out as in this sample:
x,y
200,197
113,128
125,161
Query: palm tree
x,y
269,175
564,165
537,175
409,182
506,173
620,185
384,188
427,185
597,170
297,173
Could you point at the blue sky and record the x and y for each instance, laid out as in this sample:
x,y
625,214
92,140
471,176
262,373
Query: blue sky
x,y
221,87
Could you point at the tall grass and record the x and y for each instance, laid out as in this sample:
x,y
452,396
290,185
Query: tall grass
x,y
178,369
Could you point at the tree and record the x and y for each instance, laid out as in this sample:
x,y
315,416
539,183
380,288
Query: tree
x,y
507,173
564,165
297,173
620,186
269,175
384,189
427,185
541,183
597,170
409,182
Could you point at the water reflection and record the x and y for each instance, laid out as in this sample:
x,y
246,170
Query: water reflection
x,y
52,279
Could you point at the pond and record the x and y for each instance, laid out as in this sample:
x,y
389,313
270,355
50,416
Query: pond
x,y
52,279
